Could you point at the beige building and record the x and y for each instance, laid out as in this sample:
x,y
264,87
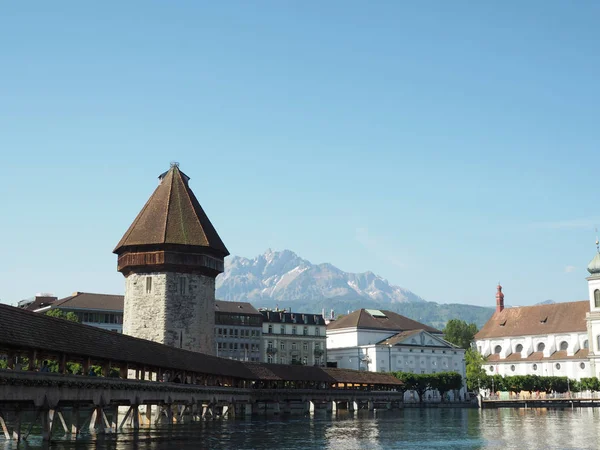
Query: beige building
x,y
293,338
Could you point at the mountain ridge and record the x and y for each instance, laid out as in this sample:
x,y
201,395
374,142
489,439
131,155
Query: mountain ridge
x,y
285,280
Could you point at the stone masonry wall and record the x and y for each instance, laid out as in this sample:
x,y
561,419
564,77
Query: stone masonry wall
x,y
168,315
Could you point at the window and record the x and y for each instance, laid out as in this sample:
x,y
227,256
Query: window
x,y
586,344
541,346
317,347
557,366
519,348
491,368
305,346
235,332
564,345
512,368
282,360
270,344
304,360
305,331
270,329
282,346
294,330
148,285
535,367
282,329
221,331
294,346
317,331
582,365
597,298
183,285
270,359
497,349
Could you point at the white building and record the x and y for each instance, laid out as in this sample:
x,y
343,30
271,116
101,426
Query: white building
x,y
293,338
383,341
546,339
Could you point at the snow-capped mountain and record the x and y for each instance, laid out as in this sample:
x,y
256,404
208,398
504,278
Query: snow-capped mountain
x,y
285,277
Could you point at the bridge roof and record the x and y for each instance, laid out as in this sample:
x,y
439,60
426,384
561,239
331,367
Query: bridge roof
x,y
24,329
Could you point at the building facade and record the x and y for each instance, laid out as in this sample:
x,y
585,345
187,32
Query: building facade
x,y
561,339
293,338
238,331
170,257
384,341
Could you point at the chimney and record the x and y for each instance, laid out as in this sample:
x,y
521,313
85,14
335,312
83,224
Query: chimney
x,y
499,299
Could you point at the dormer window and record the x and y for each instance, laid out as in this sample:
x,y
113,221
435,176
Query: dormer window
x,y
544,320
503,323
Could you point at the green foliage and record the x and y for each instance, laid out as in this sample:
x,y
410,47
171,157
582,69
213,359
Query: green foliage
x,y
3,364
420,383
590,384
459,333
535,383
476,375
58,313
445,382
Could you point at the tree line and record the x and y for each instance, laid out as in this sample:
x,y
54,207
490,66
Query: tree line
x,y
420,383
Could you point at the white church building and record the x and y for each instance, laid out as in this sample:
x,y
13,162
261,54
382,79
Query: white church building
x,y
383,341
561,339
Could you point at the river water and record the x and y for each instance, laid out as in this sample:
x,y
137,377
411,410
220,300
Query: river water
x,y
405,429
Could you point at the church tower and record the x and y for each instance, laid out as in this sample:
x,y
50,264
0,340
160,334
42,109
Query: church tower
x,y
593,317
170,257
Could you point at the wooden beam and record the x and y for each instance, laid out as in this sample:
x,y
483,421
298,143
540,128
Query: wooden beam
x,y
4,428
129,411
62,420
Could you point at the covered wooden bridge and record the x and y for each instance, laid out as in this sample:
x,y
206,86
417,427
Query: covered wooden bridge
x,y
131,377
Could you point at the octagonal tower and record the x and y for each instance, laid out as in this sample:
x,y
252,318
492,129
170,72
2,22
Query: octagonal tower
x,y
170,257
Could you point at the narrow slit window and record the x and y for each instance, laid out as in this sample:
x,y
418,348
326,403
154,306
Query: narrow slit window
x,y
148,285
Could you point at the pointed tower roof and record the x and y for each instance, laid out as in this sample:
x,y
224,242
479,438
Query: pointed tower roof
x,y
172,216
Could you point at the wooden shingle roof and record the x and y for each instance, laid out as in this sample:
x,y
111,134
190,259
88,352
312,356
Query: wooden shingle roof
x,y
173,216
535,320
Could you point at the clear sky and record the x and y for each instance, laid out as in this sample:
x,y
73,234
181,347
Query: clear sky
x,y
443,145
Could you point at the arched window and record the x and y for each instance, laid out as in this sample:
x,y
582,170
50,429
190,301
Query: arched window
x,y
564,345
597,298
541,346
497,349
519,348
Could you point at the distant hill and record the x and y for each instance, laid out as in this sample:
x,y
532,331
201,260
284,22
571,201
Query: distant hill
x,y
285,280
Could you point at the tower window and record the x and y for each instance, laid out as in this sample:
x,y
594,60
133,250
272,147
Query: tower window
x,y
148,285
597,298
183,286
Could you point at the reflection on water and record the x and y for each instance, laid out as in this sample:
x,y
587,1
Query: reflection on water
x,y
407,429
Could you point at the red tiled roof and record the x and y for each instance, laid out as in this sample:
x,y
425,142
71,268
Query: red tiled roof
x,y
392,322
539,356
536,320
172,215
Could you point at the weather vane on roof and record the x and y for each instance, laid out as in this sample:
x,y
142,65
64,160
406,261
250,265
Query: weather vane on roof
x,y
174,164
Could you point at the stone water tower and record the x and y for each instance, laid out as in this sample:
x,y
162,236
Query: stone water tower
x,y
170,257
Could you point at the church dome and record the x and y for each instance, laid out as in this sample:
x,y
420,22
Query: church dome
x,y
594,265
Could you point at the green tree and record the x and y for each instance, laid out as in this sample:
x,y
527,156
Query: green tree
x,y
459,333
476,375
60,314
445,382
590,384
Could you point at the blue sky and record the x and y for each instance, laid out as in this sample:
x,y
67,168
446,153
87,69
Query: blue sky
x,y
445,146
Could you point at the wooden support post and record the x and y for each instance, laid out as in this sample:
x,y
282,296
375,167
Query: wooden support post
x,y
4,428
32,360
93,420
106,422
136,417
127,414
47,423
87,363
106,369
62,421
75,420
62,364
11,360
17,428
